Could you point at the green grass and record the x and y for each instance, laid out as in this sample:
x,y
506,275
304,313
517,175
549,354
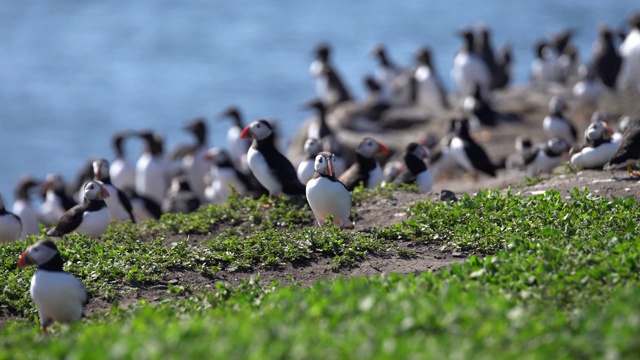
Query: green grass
x,y
549,278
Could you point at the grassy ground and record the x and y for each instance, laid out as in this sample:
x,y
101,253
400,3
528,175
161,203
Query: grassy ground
x,y
548,277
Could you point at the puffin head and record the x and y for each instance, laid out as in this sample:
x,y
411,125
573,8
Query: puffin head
x,y
259,129
39,253
557,104
417,150
369,147
558,145
323,164
312,146
53,181
95,190
100,169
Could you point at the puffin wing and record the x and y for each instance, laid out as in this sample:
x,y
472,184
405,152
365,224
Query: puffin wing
x,y
126,203
69,221
629,149
479,159
286,174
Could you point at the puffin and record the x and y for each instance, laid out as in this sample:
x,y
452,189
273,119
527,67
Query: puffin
x,y
329,86
599,148
224,175
468,153
306,168
441,161
628,152
484,50
237,146
58,295
180,197
605,58
152,170
90,218
56,200
416,170
270,167
327,195
374,105
504,61
588,89
544,158
556,124
23,207
194,166
118,203
366,169
121,171
318,129
426,87
545,67
479,109
389,75
629,50
10,224
143,207
469,68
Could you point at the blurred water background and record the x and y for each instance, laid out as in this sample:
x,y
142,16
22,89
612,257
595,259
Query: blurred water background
x,y
74,72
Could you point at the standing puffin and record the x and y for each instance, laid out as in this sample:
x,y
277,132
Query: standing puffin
x,y
194,166
329,86
10,224
416,170
224,175
605,58
426,87
318,129
152,171
469,69
544,158
121,171
327,195
56,200
90,218
628,152
306,168
23,208
366,169
469,154
118,203
59,296
237,146
479,109
556,124
272,169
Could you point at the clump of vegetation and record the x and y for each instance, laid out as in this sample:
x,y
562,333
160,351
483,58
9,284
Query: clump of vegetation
x,y
547,277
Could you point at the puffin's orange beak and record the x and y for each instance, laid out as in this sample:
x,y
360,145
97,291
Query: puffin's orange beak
x,y
330,168
24,260
246,133
105,192
384,151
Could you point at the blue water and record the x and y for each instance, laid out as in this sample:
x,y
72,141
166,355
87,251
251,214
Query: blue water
x,y
73,72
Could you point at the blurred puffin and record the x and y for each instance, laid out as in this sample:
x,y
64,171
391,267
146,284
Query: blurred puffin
x,y
605,58
479,109
469,154
545,67
629,50
426,87
556,124
366,169
23,207
329,86
599,149
544,158
180,198
389,75
628,152
152,170
10,224
194,166
58,295
237,146
90,218
121,171
327,195
588,89
416,170
117,202
318,129
469,68
56,200
306,168
225,175
272,169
